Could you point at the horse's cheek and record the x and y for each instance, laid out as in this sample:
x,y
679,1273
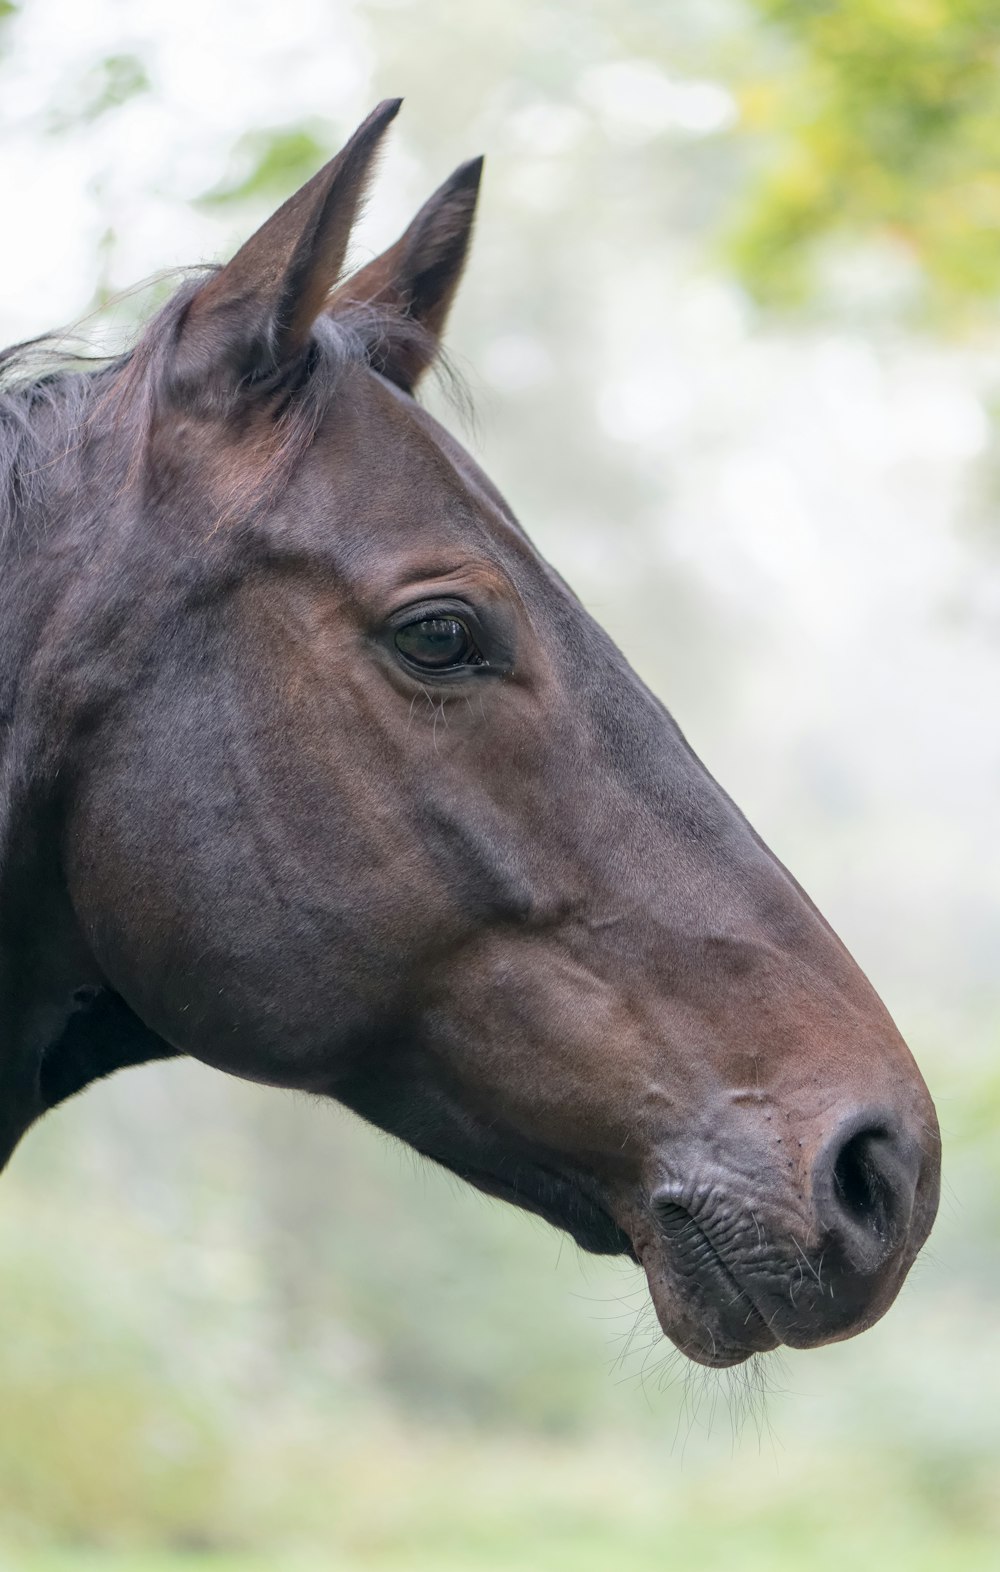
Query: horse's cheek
x,y
141,879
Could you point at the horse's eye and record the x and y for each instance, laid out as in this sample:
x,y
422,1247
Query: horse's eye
x,y
437,644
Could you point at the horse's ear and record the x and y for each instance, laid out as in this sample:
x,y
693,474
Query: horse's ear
x,y
255,315
416,279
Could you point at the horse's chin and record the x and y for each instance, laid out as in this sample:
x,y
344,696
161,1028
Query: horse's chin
x,y
709,1318
706,1314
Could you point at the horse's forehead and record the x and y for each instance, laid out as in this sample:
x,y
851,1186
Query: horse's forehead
x,y
373,442
401,483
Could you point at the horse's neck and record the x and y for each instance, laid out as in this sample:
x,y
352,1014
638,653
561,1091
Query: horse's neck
x,y
61,1024
38,477
40,967
33,572
42,958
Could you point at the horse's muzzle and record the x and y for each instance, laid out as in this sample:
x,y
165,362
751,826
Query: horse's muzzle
x,y
743,1257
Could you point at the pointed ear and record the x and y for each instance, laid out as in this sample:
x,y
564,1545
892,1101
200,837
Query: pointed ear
x,y
416,279
254,317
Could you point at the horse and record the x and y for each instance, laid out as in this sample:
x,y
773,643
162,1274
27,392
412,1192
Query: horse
x,y
313,769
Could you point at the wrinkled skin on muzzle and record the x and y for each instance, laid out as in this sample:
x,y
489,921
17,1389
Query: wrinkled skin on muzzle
x,y
371,807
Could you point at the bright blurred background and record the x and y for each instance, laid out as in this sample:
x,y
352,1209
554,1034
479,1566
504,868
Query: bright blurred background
x,y
733,337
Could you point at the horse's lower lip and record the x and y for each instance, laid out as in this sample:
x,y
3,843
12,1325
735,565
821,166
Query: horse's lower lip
x,y
705,1312
740,1309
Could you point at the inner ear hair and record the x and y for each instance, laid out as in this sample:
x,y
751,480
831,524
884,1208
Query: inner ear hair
x,y
414,282
254,317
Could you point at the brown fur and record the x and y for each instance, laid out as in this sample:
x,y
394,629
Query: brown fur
x,y
500,909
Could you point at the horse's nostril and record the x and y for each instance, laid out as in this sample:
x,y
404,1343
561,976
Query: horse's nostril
x,y
864,1188
859,1184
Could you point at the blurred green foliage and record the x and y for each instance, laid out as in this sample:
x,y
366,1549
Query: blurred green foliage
x,y
268,164
879,119
103,89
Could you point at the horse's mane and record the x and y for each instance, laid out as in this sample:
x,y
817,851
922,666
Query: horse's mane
x,y
56,394
45,392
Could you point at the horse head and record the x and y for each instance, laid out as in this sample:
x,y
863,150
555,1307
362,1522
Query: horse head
x,y
315,770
